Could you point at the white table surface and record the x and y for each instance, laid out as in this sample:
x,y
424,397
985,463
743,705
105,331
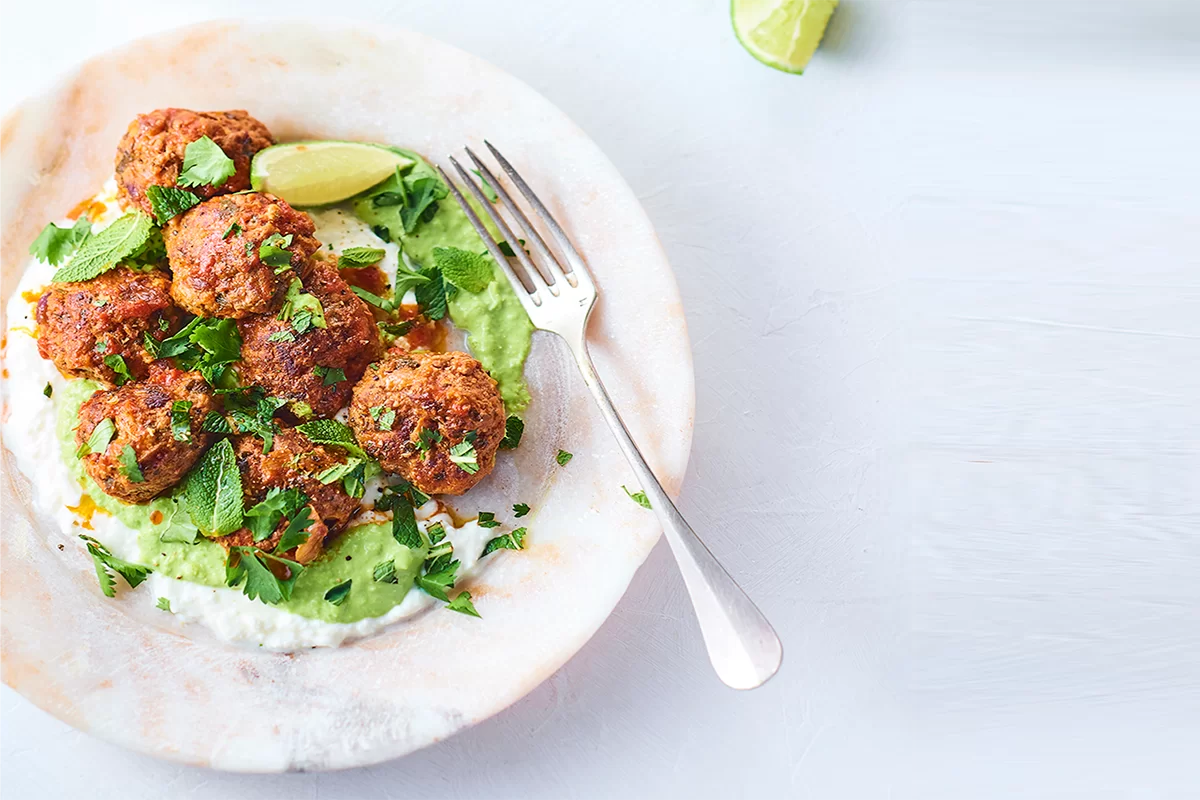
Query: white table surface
x,y
944,298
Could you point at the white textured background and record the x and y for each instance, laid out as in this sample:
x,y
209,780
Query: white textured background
x,y
944,298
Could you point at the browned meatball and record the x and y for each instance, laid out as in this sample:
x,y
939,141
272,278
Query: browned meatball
x,y
214,252
151,152
293,463
296,365
81,324
141,413
439,400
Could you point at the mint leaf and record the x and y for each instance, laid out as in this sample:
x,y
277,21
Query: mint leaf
x,y
167,202
466,270
332,432
117,364
436,532
213,491
54,244
514,427
338,594
99,439
120,240
297,302
464,455
181,420
638,497
263,517
205,164
462,602
404,526
488,191
520,509
329,375
563,457
436,582
387,306
513,540
361,256
385,572
423,194
215,422
431,295
129,465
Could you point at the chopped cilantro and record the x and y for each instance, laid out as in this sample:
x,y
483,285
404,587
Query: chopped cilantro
x,y
329,375
514,427
488,191
104,560
117,364
638,497
338,594
435,582
99,439
426,439
282,336
303,309
234,229
487,520
205,164
100,346
520,509
206,345
181,420
297,531
49,390
168,202
563,457
384,417
394,329
264,516
252,410
164,604
55,245
273,251
261,581
514,540
462,602
464,455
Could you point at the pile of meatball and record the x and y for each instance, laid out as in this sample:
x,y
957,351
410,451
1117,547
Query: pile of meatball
x,y
213,269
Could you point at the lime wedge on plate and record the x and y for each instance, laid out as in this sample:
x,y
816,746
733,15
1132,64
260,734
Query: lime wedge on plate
x,y
782,34
318,173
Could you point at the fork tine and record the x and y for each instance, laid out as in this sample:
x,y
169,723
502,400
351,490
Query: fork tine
x,y
531,292
535,275
574,260
533,237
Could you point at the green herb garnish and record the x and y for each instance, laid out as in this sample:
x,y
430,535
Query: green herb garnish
x,y
168,202
487,520
361,256
488,191
431,295
234,229
261,582
464,455
127,236
49,390
638,497
520,509
212,491
104,560
332,432
99,439
563,457
205,164
466,270
181,420
264,516
55,245
117,364
273,251
163,604
329,375
514,427
462,602
338,594
297,531
385,572
383,416
513,540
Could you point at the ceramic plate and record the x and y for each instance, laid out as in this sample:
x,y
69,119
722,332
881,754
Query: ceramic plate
x,y
126,675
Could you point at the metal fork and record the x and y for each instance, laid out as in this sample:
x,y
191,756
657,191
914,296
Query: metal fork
x,y
559,297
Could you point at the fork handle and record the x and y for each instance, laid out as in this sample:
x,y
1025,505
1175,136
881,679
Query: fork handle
x,y
742,645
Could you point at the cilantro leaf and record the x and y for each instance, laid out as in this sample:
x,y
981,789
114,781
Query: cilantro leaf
x,y
261,582
431,295
263,517
252,410
436,582
297,302
129,465
383,416
100,253
329,375
514,427
297,531
181,420
361,256
104,560
385,572
234,229
54,244
400,328
462,602
638,497
423,194
513,540
99,439
563,457
168,202
49,390
464,455
205,164
164,604
487,520
206,345
338,594
212,491
117,364
466,270
520,509
488,191
274,253
332,432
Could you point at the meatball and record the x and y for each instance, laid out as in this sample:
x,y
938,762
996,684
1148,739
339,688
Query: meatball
x,y
293,463
416,407
215,254
147,455
82,324
151,152
297,365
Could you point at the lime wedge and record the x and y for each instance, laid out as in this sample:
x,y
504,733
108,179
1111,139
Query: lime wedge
x,y
782,34
318,173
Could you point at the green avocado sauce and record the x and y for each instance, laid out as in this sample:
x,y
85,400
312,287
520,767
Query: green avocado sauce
x,y
499,332
353,555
